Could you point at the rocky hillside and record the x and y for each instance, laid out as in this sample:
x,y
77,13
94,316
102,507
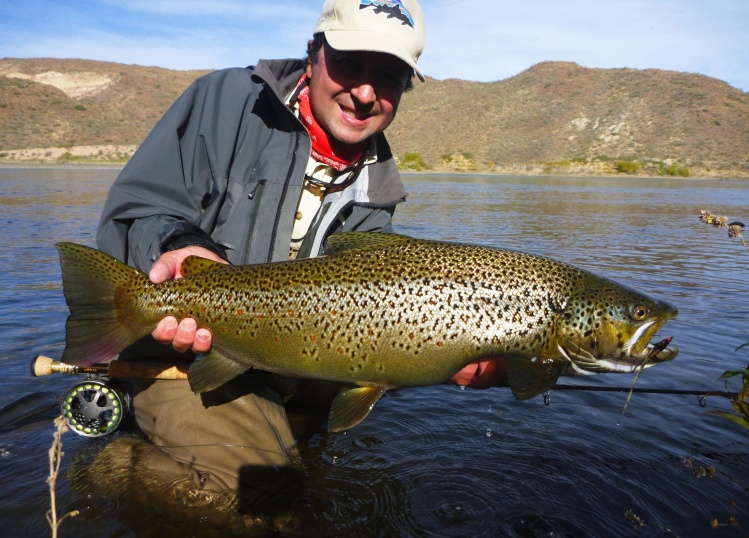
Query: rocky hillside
x,y
557,111
49,102
554,117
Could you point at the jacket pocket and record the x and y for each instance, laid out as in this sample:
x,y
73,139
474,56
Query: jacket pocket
x,y
238,212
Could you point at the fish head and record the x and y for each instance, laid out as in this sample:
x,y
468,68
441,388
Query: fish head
x,y
606,327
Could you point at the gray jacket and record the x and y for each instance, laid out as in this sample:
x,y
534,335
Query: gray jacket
x,y
224,169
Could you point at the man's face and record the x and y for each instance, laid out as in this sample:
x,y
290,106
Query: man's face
x,y
355,94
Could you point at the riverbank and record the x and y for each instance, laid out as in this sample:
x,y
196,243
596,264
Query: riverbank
x,y
109,154
116,155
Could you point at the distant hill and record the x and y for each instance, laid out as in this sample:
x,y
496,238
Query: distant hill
x,y
555,117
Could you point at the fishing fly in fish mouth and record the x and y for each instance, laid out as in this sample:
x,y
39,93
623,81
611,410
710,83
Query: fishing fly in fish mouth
x,y
378,311
622,342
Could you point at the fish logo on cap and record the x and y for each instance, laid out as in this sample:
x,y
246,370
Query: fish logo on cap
x,y
394,9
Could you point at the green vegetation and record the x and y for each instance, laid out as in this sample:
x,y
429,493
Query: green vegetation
x,y
459,162
413,161
740,400
627,167
672,170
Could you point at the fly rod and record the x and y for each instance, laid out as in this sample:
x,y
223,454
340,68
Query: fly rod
x,y
43,366
591,388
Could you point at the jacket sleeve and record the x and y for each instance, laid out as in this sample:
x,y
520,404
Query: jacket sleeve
x,y
365,219
155,203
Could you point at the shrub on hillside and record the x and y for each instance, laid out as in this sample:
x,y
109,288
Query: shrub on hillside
x,y
413,161
627,167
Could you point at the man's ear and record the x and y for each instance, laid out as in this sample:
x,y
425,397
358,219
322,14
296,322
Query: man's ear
x,y
308,67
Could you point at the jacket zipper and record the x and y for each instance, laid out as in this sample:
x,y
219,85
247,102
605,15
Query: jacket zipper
x,y
256,195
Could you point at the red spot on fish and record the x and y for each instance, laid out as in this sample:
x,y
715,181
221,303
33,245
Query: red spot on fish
x,y
291,313
240,312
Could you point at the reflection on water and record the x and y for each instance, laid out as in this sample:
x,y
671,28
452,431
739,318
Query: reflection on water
x,y
440,461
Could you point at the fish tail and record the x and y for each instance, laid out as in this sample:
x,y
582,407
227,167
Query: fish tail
x,y
92,282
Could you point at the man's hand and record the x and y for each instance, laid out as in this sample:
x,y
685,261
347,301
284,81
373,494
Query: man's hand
x,y
482,374
169,264
183,335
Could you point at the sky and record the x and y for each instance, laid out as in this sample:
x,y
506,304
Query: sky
x,y
481,40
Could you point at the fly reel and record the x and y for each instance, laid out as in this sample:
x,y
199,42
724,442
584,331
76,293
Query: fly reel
x,y
94,408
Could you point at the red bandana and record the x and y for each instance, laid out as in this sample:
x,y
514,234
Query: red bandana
x,y
326,150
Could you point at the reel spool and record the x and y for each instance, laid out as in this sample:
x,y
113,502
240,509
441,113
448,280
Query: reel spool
x,y
94,408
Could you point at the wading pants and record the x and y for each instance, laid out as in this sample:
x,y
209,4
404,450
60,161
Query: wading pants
x,y
226,439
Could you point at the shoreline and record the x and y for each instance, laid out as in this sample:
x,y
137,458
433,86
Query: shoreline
x,y
116,156
113,165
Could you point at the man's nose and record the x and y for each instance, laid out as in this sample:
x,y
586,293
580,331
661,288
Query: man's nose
x,y
364,92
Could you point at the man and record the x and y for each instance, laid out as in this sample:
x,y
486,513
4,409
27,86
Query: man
x,y
257,165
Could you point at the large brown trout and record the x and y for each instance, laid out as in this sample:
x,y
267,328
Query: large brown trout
x,y
377,311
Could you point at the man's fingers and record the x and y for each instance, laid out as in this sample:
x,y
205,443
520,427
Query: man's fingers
x,y
165,330
162,270
483,378
203,341
185,336
169,264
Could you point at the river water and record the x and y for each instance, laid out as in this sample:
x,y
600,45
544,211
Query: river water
x,y
441,461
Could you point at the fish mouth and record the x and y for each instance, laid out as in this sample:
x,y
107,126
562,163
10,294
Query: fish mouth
x,y
638,352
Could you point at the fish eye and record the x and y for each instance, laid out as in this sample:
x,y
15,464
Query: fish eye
x,y
640,312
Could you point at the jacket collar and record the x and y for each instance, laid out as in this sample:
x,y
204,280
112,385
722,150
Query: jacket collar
x,y
280,75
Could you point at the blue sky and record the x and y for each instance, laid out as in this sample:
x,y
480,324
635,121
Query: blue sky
x,y
482,40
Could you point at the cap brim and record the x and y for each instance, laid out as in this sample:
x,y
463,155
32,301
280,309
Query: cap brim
x,y
374,42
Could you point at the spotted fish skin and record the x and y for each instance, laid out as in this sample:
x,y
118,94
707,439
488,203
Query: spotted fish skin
x,y
377,311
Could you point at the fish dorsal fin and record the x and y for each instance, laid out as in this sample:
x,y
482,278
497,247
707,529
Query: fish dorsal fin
x,y
528,378
352,406
212,370
346,241
194,265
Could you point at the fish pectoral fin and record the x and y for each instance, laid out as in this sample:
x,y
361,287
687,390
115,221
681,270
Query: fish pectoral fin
x,y
352,406
194,265
528,378
212,370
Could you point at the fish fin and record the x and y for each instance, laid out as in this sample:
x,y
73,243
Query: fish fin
x,y
342,242
194,265
90,281
212,370
528,378
352,406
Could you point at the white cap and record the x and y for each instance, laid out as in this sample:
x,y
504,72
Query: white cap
x,y
391,26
